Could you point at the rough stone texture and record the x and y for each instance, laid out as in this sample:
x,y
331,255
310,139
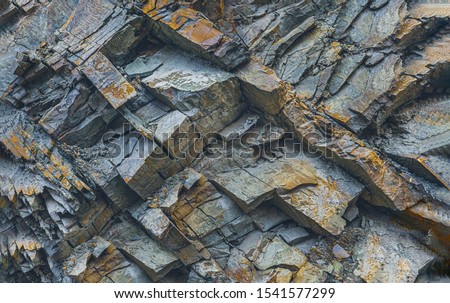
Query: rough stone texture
x,y
113,86
209,96
189,29
224,141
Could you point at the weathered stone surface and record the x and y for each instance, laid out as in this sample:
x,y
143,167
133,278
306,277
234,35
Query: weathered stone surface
x,y
29,143
388,188
427,63
224,141
154,259
293,235
320,205
244,188
262,87
373,28
378,251
420,139
266,217
264,252
208,96
189,29
147,161
113,86
389,259
360,98
239,127
98,260
141,67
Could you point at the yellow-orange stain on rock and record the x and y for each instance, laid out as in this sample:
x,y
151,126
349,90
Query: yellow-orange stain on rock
x,y
202,33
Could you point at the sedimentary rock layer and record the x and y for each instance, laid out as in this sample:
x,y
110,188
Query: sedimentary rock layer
x,y
224,141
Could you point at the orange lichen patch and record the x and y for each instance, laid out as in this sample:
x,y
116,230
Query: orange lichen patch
x,y
180,17
107,79
28,190
23,145
309,273
154,15
15,145
241,274
151,5
203,33
66,184
175,21
118,94
330,110
48,175
79,185
335,45
62,172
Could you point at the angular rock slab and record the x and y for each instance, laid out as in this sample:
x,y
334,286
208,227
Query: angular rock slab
x,y
386,185
147,167
386,255
192,31
360,98
263,258
421,140
302,187
262,87
209,96
98,260
107,79
136,245
29,143
383,182
244,188
321,206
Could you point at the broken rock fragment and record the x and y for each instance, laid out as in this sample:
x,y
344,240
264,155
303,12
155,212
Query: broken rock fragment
x,y
192,31
107,79
210,97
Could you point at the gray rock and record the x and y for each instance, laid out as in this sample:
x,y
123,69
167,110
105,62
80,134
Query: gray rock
x,y
209,96
141,67
134,243
243,188
351,213
266,217
107,79
239,127
293,235
374,59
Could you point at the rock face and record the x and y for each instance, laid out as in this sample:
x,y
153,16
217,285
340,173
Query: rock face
x,y
224,141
